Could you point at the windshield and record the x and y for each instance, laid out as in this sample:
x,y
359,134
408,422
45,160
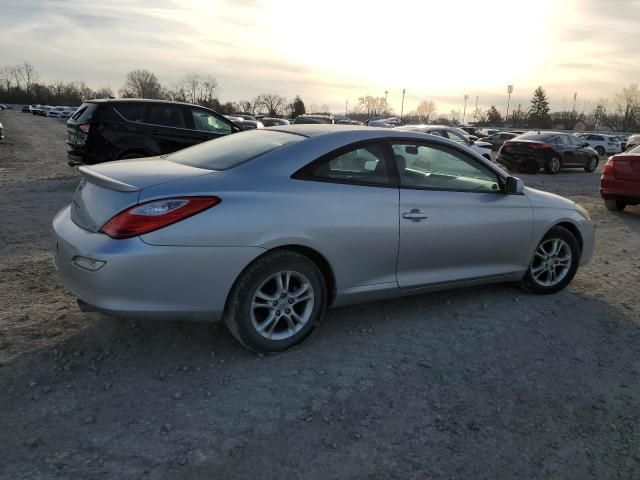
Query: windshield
x,y
231,150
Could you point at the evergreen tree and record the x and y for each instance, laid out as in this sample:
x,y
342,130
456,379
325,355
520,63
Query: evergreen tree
x,y
539,111
297,107
494,117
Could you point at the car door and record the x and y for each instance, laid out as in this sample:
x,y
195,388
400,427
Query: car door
x,y
206,125
166,124
352,192
566,150
455,222
582,155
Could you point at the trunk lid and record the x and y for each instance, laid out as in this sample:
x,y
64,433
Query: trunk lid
x,y
522,147
627,167
109,188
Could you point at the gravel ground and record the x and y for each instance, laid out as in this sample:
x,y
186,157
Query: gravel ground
x,y
478,383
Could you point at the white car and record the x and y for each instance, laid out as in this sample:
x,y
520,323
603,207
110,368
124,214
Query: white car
x,y
452,133
603,144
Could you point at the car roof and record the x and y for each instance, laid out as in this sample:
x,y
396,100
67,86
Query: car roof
x,y
140,100
424,127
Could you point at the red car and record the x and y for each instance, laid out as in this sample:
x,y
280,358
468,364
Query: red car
x,y
620,181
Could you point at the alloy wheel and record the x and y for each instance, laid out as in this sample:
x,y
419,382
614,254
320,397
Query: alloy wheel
x,y
551,262
282,305
555,164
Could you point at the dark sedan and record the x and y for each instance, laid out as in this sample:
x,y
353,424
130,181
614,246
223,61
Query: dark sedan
x,y
497,139
549,150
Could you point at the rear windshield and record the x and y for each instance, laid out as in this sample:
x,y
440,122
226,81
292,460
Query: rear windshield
x,y
537,136
85,112
231,150
310,120
635,149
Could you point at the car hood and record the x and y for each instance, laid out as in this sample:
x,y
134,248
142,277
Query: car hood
x,y
539,198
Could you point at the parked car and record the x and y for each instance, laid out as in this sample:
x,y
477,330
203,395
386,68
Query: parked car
x,y
474,131
3,107
552,151
109,129
452,133
497,139
313,119
633,141
603,144
1,133
490,131
56,112
269,227
26,109
348,121
271,122
620,181
244,123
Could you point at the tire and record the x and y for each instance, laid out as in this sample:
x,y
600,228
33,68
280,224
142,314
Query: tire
x,y
553,165
257,284
592,165
615,205
600,150
564,263
128,156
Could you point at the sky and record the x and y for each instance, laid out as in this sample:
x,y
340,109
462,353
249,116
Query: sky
x,y
334,51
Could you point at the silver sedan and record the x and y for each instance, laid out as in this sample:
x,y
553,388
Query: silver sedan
x,y
264,229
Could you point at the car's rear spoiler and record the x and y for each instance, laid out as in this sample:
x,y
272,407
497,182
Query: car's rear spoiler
x,y
104,181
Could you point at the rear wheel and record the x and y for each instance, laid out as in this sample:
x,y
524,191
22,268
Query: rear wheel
x,y
276,302
554,263
592,165
615,205
553,165
600,150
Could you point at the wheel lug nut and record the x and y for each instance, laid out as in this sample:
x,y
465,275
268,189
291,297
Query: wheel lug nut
x,y
278,312
287,311
274,303
283,295
291,300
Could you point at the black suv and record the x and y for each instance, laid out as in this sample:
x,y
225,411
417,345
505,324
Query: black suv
x,y
104,130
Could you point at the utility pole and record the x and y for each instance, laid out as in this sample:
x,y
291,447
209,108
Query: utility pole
x,y
402,105
346,108
464,112
575,96
475,112
509,91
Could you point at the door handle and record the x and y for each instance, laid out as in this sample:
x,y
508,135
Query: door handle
x,y
414,215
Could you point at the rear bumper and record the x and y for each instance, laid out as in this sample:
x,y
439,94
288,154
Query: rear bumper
x,y
520,163
146,281
612,188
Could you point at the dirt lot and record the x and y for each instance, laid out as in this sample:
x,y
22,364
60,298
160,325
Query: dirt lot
x,y
479,383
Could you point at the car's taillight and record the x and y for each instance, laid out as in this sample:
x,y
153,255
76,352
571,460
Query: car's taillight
x,y
540,146
85,127
150,216
608,167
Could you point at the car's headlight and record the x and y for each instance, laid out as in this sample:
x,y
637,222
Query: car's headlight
x,y
583,211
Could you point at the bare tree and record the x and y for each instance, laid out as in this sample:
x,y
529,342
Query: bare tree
x,y
425,110
626,116
373,106
141,84
245,106
103,92
29,75
5,77
274,104
16,74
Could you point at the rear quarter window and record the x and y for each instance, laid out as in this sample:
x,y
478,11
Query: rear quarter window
x,y
134,112
231,150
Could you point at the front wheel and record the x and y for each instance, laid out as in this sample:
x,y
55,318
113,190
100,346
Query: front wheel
x,y
276,302
600,150
554,263
592,165
615,205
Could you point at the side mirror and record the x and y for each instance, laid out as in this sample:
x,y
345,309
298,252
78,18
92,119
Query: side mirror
x,y
585,144
514,186
471,141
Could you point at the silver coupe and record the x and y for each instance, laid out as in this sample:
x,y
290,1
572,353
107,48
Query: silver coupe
x,y
264,229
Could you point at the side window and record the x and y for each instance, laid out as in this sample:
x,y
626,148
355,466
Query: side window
x,y
456,137
436,167
575,141
134,112
364,165
166,115
206,122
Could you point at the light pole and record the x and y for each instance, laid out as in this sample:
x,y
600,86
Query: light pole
x,y
402,105
346,108
475,112
575,96
464,112
509,91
